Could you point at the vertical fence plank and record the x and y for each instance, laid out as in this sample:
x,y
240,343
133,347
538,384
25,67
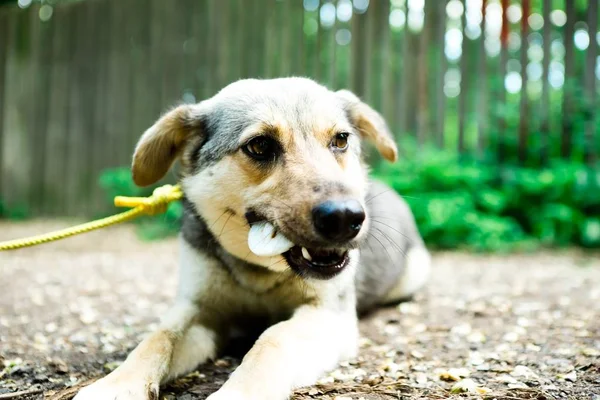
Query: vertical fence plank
x,y
388,65
58,116
423,75
545,103
524,101
591,136
381,67
118,84
329,56
235,14
482,89
76,156
100,151
464,83
141,80
296,33
567,105
359,56
395,64
439,122
199,43
17,158
401,94
372,64
409,83
41,34
4,37
224,37
260,46
342,75
502,90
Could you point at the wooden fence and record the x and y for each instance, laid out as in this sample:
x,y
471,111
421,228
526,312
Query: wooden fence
x,y
81,80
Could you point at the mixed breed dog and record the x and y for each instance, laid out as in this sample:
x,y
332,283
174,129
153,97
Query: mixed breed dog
x,y
281,225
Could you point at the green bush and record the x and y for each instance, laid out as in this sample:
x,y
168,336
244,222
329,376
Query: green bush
x,y
118,182
487,207
17,213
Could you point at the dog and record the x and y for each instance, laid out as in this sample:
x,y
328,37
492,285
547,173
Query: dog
x,y
281,224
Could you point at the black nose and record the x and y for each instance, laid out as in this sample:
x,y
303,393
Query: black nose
x,y
338,220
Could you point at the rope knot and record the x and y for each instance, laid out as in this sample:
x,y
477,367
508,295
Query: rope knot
x,y
157,203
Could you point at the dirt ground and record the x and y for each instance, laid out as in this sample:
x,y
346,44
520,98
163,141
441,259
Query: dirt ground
x,y
502,327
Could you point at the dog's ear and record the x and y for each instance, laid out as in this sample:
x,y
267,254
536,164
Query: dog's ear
x,y
163,142
370,124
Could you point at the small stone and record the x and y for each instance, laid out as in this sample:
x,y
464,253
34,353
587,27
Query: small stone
x,y
571,376
342,398
421,378
461,330
590,352
340,376
314,392
483,390
483,367
51,327
409,308
511,337
464,386
40,378
373,380
454,374
221,363
533,347
476,337
59,366
326,381
506,379
523,371
417,354
518,385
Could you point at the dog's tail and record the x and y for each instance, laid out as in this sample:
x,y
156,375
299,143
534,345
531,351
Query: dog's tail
x,y
415,275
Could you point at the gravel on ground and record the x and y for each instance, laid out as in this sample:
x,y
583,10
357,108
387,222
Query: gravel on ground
x,y
487,327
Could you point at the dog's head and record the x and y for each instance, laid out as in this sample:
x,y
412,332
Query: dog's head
x,y
272,165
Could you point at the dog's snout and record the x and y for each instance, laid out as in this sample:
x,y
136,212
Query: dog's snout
x,y
338,220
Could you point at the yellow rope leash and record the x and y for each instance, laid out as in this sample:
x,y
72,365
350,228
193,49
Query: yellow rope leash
x,y
155,204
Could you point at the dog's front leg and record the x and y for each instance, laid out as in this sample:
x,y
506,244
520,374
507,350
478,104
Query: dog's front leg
x,y
179,345
291,354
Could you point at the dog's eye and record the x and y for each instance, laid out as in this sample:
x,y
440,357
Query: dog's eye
x,y
262,148
340,141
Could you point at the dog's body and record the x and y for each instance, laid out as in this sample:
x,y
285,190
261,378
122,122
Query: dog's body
x,y
309,294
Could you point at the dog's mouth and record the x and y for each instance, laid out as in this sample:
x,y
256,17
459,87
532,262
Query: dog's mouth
x,y
316,263
321,263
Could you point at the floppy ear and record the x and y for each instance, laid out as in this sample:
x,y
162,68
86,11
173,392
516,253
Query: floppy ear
x,y
163,142
370,124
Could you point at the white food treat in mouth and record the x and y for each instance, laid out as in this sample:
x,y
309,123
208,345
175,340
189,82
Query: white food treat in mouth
x,y
265,241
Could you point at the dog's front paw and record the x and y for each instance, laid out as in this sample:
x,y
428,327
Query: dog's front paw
x,y
116,388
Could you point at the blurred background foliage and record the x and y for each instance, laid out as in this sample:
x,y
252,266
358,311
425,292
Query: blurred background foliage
x,y
493,102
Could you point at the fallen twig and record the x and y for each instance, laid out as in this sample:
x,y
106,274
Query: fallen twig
x,y
21,393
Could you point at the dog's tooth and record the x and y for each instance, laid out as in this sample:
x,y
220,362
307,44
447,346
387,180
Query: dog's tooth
x,y
265,241
306,254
